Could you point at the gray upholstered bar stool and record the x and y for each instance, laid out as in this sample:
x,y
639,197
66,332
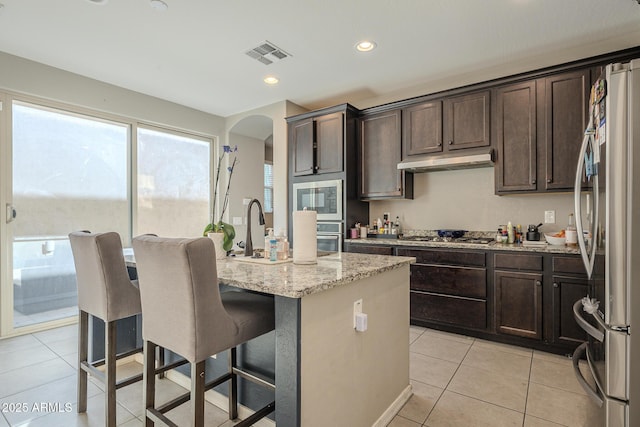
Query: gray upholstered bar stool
x,y
104,291
184,311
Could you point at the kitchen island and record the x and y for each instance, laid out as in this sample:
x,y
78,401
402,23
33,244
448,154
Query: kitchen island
x,y
327,373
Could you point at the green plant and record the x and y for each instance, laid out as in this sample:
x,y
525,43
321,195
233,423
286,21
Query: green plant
x,y
219,226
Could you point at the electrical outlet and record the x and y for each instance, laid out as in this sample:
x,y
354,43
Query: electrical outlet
x,y
357,308
237,220
246,201
549,217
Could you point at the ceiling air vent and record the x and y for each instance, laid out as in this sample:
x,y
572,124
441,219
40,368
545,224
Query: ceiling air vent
x,y
267,53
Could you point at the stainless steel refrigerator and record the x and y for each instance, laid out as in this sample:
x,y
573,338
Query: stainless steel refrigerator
x,y
607,203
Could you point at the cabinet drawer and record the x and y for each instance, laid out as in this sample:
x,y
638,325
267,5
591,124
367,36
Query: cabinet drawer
x,y
448,309
571,265
370,249
518,261
464,258
460,281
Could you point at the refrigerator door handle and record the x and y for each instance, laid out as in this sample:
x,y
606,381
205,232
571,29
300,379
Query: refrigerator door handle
x,y
586,326
592,393
587,259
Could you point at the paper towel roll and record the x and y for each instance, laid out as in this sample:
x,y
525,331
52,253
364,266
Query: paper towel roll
x,y
305,237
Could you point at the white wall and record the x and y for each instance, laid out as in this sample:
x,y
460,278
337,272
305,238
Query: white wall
x,y
465,199
247,182
278,112
32,78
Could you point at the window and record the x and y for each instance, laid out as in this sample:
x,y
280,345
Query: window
x,y
268,188
69,173
173,183
72,170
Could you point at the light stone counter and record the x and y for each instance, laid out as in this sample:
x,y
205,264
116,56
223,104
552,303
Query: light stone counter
x,y
493,246
295,281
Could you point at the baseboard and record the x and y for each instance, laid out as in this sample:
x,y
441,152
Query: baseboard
x,y
395,407
212,396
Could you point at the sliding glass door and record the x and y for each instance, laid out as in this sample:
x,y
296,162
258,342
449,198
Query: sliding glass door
x,y
66,169
69,172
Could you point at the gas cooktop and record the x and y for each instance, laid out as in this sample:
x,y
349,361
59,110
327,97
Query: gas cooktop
x,y
474,240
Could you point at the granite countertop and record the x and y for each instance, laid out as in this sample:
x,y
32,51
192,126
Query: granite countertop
x,y
493,246
295,281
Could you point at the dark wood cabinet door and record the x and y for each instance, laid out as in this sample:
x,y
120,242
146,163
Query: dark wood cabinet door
x,y
518,306
422,129
301,139
566,108
467,121
368,249
329,143
566,291
380,152
444,309
516,138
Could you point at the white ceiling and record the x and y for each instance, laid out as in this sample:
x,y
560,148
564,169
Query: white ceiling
x,y
194,53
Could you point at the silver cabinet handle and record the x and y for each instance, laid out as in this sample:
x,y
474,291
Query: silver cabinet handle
x,y
538,283
555,285
450,142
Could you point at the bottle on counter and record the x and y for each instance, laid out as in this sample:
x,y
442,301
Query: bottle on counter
x,y
379,225
273,249
282,246
519,238
267,242
510,233
398,226
571,232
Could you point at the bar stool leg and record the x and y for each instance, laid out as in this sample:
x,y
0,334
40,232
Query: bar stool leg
x,y
83,345
161,361
149,380
197,394
110,373
233,385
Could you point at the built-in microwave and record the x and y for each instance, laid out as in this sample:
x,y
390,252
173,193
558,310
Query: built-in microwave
x,y
324,197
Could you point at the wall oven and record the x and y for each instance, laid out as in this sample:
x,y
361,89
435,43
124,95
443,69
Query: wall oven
x,y
324,197
329,236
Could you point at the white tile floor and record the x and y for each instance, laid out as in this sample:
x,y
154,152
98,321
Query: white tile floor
x,y
463,381
457,381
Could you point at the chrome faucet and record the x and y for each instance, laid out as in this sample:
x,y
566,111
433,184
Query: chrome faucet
x,y
248,245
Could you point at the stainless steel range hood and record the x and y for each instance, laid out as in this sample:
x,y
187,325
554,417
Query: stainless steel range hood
x,y
448,162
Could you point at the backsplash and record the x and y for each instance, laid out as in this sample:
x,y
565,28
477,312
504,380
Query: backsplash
x,y
465,199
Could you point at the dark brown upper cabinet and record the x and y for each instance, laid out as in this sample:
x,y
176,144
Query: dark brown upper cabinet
x,y
539,126
467,121
422,129
317,144
566,98
516,141
380,152
446,125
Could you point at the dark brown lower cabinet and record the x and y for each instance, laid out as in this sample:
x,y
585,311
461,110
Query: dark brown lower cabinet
x,y
448,287
518,303
467,312
521,298
569,285
368,249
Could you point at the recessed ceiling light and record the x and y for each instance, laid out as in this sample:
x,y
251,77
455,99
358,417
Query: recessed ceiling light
x,y
271,80
158,5
98,1
365,46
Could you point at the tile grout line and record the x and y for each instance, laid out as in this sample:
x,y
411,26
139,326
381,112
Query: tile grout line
x,y
473,340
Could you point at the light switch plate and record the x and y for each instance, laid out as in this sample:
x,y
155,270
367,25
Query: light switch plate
x,y
549,217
